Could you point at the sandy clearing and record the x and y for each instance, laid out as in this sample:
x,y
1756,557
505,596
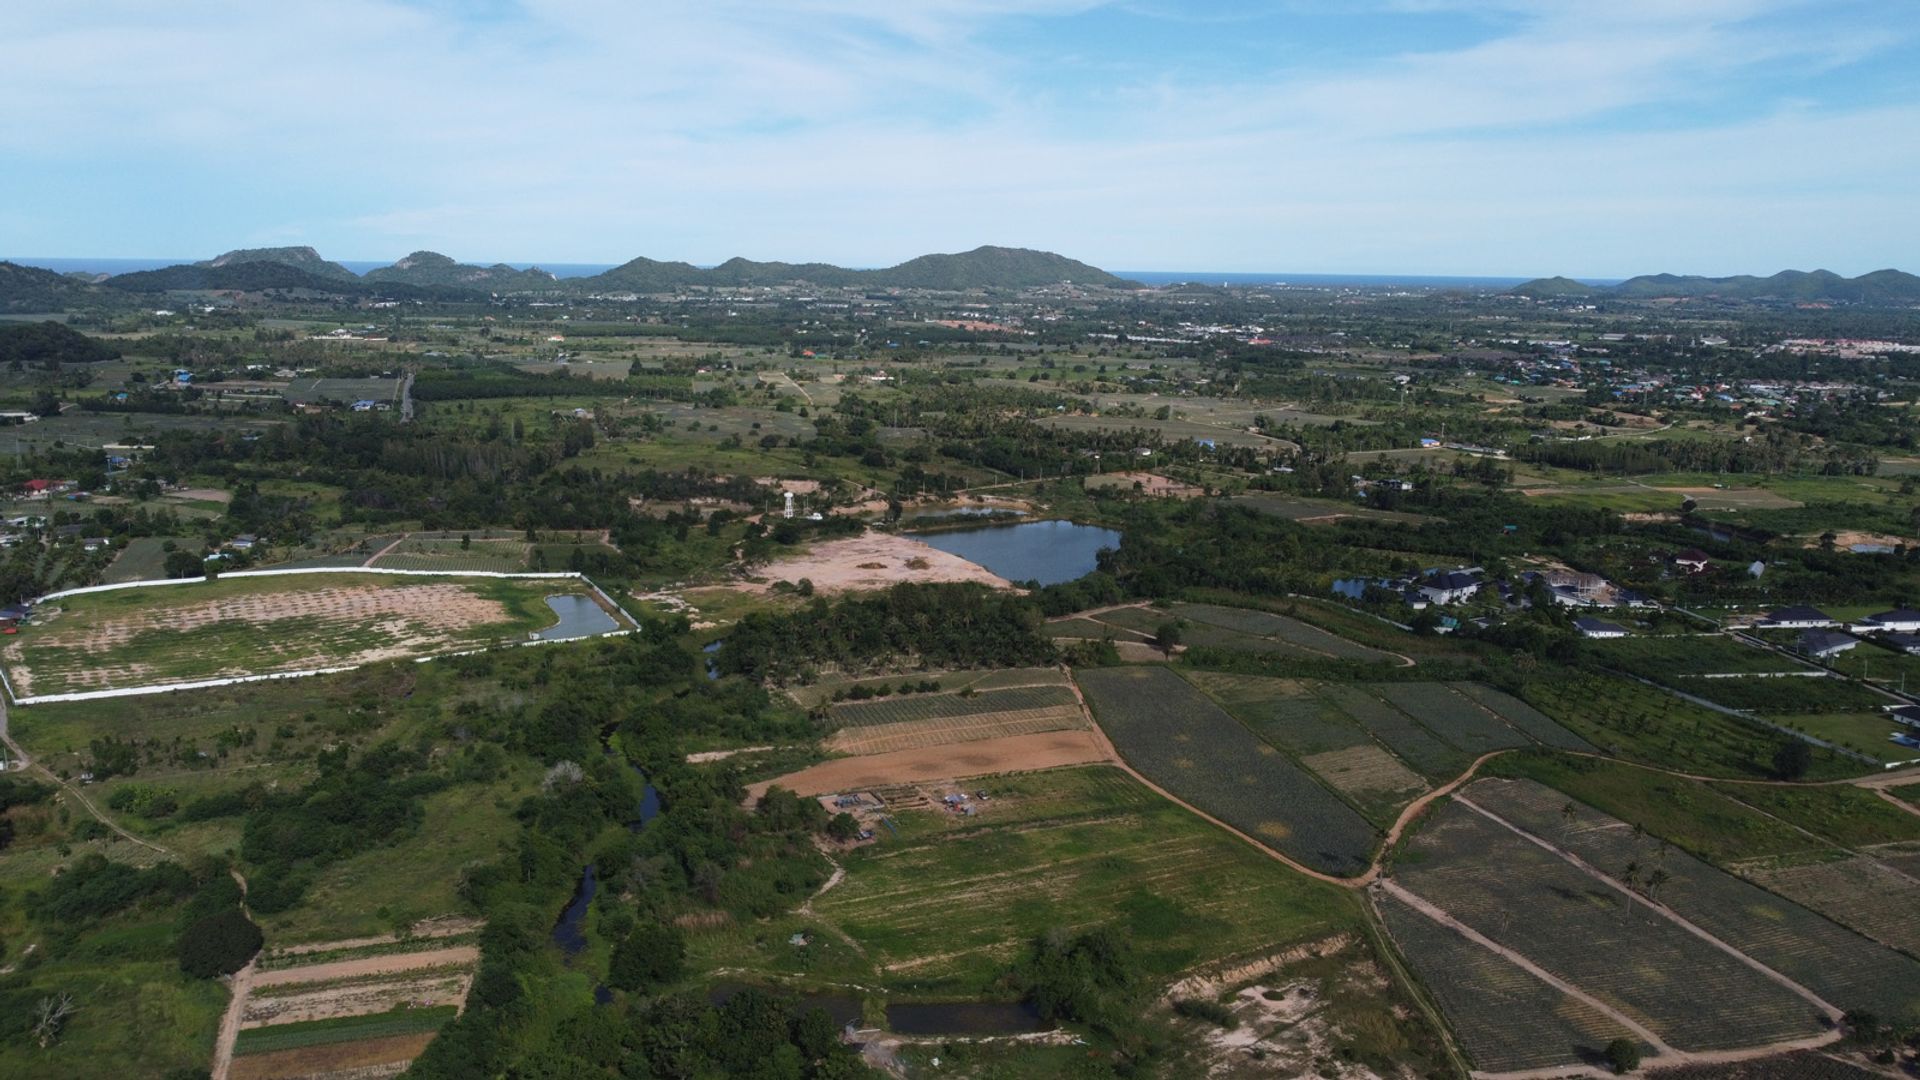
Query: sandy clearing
x,y
202,495
370,965
1150,484
946,731
1018,753
848,565
357,999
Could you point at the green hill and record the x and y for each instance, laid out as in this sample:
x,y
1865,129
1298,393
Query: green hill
x,y
433,268
981,268
1555,288
29,288
50,344
1796,286
300,258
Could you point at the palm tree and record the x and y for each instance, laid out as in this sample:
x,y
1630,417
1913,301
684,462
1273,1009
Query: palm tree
x,y
1567,814
1630,877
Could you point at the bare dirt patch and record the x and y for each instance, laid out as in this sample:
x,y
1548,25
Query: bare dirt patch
x,y
370,965
914,734
1150,484
1018,753
876,561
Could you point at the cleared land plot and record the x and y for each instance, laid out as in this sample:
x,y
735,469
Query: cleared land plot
x,y
1184,742
1845,969
959,899
345,391
144,558
1455,718
1088,630
1506,1018
1017,753
1511,891
1858,892
1295,508
250,626
331,1058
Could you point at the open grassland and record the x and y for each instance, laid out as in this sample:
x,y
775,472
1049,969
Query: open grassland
x,y
1184,742
906,707
1532,901
435,553
144,558
1298,508
948,906
1849,816
1859,892
1845,969
216,629
137,1015
1506,1017
1784,697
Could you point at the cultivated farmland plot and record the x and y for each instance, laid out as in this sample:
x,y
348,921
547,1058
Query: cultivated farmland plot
x,y
423,553
1524,717
1291,631
1858,891
1454,718
1507,1018
906,707
250,626
909,723
1690,993
1844,968
1414,744
1181,740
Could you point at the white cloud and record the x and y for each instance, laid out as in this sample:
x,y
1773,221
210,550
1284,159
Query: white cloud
x,y
868,131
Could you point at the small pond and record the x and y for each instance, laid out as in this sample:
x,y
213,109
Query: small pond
x,y
712,649
579,617
1048,552
965,1018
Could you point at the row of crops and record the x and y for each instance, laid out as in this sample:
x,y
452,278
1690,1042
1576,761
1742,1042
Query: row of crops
x,y
1184,742
1838,964
1213,626
1592,935
914,707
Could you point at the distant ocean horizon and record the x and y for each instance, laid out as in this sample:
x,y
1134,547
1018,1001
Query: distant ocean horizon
x,y
1145,277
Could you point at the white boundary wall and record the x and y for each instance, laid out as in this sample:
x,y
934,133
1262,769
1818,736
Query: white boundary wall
x,y
236,680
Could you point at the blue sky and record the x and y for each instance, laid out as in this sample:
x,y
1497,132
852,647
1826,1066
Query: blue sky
x,y
1590,137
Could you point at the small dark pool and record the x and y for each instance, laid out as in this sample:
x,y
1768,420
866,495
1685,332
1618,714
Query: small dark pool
x,y
843,1009
712,649
570,933
965,1018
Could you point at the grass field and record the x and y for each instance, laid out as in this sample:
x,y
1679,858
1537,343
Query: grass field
x,y
920,720
1667,658
203,630
948,906
1843,968
434,553
1530,900
1183,741
1506,1018
144,558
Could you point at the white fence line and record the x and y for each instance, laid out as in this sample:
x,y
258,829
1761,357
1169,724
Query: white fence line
x,y
235,680
555,575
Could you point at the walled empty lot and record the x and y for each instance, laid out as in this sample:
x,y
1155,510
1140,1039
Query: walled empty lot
x,y
262,625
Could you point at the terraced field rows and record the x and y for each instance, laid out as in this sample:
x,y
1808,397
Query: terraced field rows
x,y
1184,742
1505,1017
1524,717
911,707
1844,968
1413,743
913,734
1515,893
1858,892
1454,718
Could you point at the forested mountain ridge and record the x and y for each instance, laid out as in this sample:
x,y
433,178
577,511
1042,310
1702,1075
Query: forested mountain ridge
x,y
433,268
29,288
1880,286
301,258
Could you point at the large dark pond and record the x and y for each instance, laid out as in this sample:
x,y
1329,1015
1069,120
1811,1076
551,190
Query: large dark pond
x,y
964,1018
1048,552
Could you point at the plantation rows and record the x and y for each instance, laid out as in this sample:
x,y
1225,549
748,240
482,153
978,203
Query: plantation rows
x,y
1184,742
911,707
1266,624
1858,892
1506,1018
1530,900
1666,658
1839,965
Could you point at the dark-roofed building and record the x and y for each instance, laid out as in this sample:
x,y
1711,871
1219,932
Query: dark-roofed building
x,y
1906,643
1826,644
1796,618
1450,587
1599,628
1693,561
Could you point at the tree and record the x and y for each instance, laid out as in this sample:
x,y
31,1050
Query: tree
x,y
1792,759
842,826
652,954
1166,637
183,564
1623,1055
219,944
49,1016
